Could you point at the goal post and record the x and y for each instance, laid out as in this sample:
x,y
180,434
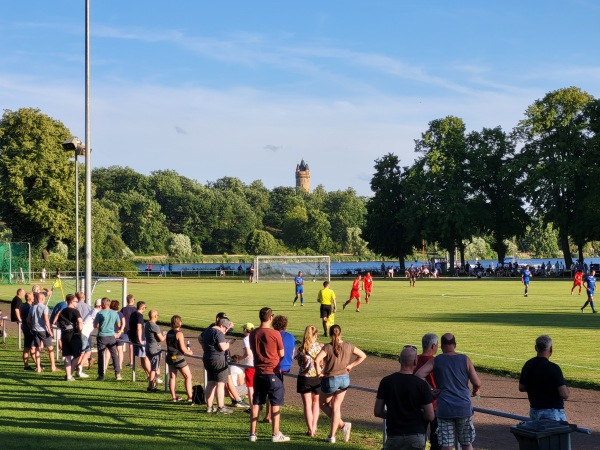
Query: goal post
x,y
286,268
114,288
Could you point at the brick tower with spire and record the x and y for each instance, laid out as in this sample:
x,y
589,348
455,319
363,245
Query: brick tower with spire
x,y
303,176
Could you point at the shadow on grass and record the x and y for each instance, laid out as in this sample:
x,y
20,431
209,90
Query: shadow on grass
x,y
525,319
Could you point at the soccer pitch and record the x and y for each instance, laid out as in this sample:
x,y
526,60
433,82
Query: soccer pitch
x,y
492,321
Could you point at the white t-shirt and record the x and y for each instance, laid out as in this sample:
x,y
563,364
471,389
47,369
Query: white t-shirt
x,y
249,360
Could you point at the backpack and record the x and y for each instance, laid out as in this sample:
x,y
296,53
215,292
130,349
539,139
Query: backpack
x,y
198,395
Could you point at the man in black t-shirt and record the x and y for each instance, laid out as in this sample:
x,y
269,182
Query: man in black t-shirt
x,y
544,383
405,401
136,336
15,306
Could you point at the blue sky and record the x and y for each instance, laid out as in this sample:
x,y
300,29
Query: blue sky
x,y
248,88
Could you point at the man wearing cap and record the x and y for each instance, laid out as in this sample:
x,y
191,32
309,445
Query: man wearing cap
x,y
544,383
405,401
267,347
452,372
214,346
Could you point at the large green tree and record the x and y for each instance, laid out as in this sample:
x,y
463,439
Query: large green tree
x,y
554,134
37,182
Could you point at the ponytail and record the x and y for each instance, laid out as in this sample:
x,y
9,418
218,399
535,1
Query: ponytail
x,y
335,332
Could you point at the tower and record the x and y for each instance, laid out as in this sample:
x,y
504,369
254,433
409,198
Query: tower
x,y
303,176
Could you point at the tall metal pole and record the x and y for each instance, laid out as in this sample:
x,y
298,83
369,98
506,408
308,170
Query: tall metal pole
x,y
76,222
88,164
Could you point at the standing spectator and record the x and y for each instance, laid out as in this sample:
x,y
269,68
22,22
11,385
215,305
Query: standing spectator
x,y
176,349
247,359
27,332
368,286
153,339
15,306
37,293
412,275
127,311
267,347
590,287
299,286
86,314
308,382
214,346
405,401
136,336
429,343
544,383
335,375
452,372
326,298
119,330
105,322
354,294
44,275
71,325
525,276
39,324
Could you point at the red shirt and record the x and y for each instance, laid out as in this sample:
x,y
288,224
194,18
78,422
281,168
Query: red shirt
x,y
578,277
356,285
265,344
368,283
421,360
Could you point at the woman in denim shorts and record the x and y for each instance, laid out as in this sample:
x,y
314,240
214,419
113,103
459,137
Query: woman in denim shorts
x,y
338,358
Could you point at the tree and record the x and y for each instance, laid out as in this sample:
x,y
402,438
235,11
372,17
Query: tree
x,y
317,232
119,179
294,227
179,245
262,242
442,168
36,179
389,229
495,188
344,210
106,230
554,134
143,223
541,239
355,244
282,200
234,221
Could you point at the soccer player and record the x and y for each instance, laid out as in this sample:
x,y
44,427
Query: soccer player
x,y
577,281
525,276
368,286
326,298
354,293
412,275
590,286
299,282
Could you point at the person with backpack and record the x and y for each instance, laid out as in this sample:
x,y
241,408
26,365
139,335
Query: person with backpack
x,y
176,350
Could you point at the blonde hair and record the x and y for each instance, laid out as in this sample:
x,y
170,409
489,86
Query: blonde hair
x,y
310,336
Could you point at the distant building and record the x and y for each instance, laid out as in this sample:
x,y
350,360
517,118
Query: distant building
x,y
303,176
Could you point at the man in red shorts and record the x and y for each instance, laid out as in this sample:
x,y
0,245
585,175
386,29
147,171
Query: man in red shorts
x,y
354,293
368,286
577,281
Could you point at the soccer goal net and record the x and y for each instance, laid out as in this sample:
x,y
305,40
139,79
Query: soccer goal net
x,y
286,268
114,288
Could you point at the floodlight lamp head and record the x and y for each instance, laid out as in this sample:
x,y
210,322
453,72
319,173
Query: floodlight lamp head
x,y
74,144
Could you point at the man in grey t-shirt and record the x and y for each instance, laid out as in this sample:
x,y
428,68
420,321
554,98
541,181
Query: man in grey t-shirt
x,y
39,324
153,349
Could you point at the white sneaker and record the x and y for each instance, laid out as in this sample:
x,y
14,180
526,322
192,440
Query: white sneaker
x,y
346,431
280,438
159,380
252,437
331,440
83,375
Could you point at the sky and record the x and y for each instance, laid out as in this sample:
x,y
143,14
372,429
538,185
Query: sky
x,y
247,89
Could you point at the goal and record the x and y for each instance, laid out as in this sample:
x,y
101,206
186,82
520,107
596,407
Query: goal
x,y
286,268
114,288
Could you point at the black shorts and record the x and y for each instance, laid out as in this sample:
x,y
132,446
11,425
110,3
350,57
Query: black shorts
x,y
176,363
28,339
40,337
216,371
305,385
325,311
268,386
71,344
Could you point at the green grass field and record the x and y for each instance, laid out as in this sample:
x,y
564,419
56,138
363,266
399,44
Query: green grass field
x,y
493,323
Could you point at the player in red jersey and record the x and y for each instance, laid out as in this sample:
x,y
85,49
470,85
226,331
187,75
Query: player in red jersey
x,y
368,286
354,293
577,281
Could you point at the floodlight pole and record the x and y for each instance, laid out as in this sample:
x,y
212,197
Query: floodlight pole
x,y
88,164
76,221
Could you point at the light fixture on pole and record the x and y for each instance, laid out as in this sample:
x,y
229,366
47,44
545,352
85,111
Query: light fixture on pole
x,y
75,145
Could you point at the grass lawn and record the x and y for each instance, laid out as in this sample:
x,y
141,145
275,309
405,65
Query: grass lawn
x,y
491,319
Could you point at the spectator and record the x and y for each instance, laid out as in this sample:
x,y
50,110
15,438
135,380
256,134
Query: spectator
x,y
247,359
15,306
71,325
119,330
176,349
105,322
267,347
86,314
27,332
153,339
335,375
39,324
452,372
308,382
405,401
544,383
136,336
429,343
215,364
127,311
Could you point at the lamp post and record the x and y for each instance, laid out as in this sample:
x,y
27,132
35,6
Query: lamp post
x,y
88,164
75,145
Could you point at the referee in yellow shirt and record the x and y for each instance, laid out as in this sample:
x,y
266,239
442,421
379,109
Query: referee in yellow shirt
x,y
326,298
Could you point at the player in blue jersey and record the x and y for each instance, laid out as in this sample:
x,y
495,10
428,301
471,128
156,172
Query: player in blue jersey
x,y
590,286
525,276
299,282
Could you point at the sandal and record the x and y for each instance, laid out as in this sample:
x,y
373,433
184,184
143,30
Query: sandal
x,y
177,399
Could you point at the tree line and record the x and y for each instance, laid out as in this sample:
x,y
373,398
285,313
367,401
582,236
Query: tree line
x,y
533,188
